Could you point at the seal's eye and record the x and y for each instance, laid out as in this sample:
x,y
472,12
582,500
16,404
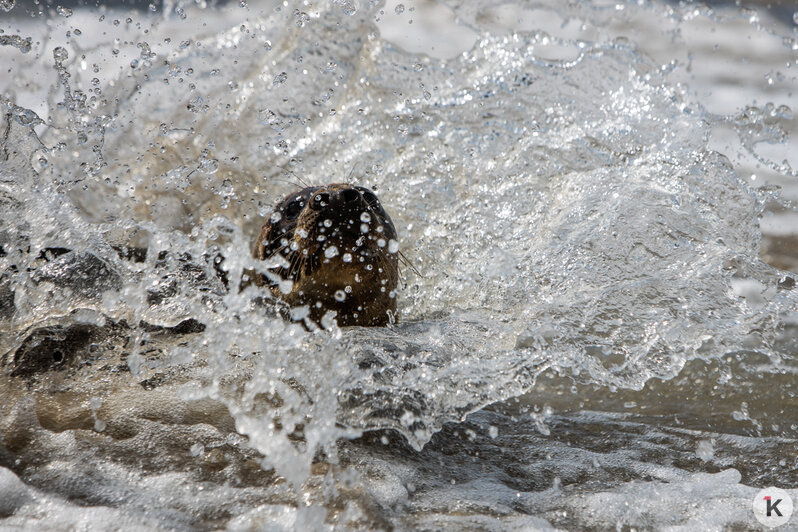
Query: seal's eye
x,y
294,208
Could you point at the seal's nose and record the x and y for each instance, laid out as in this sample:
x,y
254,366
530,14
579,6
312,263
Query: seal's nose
x,y
340,201
320,200
350,195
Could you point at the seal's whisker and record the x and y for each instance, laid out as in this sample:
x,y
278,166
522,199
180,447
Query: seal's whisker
x,y
288,182
404,260
351,172
272,242
296,265
301,181
276,238
278,250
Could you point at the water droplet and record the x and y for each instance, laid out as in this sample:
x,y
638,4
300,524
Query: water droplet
x,y
6,5
276,217
418,67
365,217
135,363
197,449
302,18
196,105
64,11
340,295
347,6
23,45
26,117
286,286
327,223
393,246
300,313
330,252
364,228
211,166
347,257
280,78
328,320
399,9
60,54
381,242
795,17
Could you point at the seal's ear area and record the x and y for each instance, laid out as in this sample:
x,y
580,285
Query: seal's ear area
x,y
263,240
261,252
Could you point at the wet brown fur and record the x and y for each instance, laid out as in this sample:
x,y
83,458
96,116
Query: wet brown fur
x,y
368,281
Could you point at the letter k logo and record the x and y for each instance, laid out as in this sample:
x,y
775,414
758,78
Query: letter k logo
x,y
772,507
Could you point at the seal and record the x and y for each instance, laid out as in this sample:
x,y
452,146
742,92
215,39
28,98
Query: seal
x,y
335,255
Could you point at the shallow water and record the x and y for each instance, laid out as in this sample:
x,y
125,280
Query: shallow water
x,y
591,338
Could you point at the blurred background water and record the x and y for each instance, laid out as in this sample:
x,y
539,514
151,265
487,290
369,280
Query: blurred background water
x,y
599,198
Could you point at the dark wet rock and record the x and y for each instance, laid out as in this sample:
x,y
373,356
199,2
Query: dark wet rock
x,y
49,348
131,253
13,493
7,307
85,273
59,347
66,347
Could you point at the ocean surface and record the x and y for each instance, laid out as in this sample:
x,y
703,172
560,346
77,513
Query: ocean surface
x,y
599,330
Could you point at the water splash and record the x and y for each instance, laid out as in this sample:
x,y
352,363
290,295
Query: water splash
x,y
566,213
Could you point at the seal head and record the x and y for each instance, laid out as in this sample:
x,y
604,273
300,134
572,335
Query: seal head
x,y
335,253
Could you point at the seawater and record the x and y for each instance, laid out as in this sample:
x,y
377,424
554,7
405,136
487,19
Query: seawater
x,y
589,337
